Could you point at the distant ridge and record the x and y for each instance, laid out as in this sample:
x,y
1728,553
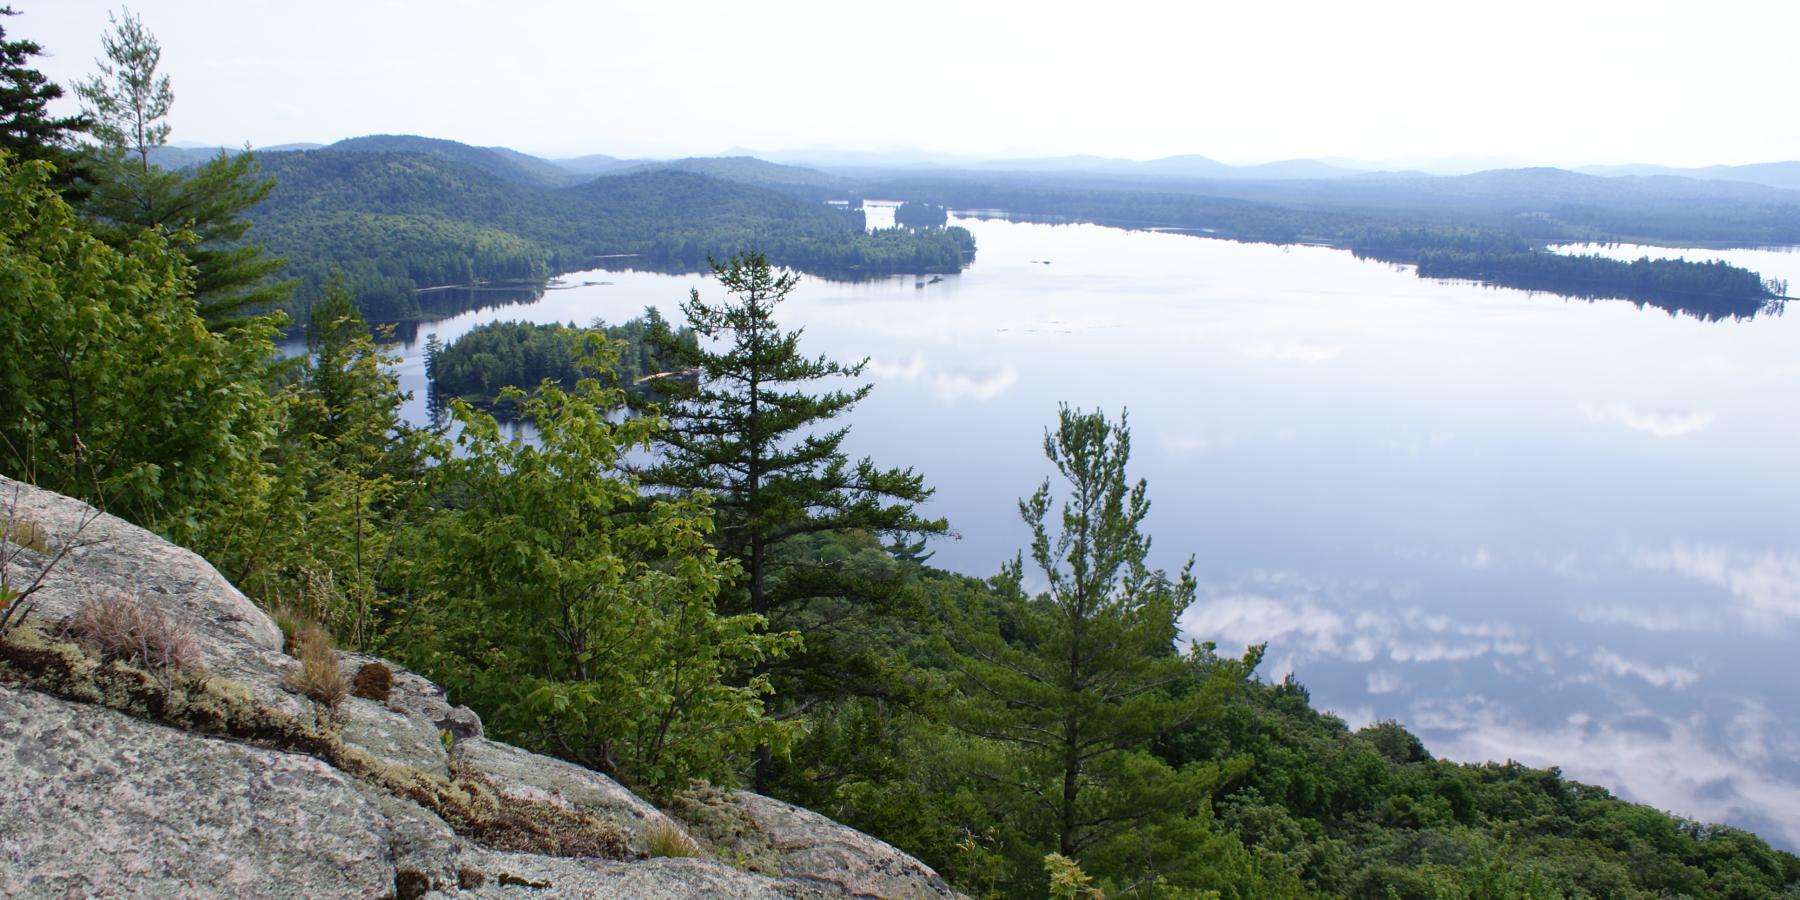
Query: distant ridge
x,y
501,162
1784,175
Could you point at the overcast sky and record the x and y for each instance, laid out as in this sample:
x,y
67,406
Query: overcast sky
x,y
1553,81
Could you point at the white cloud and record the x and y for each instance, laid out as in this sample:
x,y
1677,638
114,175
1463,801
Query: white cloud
x,y
950,385
1659,423
1766,586
1294,615
1253,619
1654,620
1657,676
1382,681
1357,717
910,369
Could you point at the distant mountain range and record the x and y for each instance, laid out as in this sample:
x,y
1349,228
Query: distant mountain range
x,y
825,172
1776,174
392,213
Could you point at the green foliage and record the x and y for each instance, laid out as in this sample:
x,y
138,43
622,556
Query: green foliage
x,y
748,432
1067,881
27,130
1371,814
578,619
393,221
1709,290
350,478
231,276
1494,226
128,102
1073,685
113,389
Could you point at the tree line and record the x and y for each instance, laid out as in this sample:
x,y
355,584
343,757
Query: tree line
x,y
1462,240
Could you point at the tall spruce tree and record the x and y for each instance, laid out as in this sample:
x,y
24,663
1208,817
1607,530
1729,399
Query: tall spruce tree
x,y
129,101
745,428
1075,682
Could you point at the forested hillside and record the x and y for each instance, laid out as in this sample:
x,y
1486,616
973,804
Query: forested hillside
x,y
391,222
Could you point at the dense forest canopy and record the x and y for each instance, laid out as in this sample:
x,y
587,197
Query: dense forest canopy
x,y
395,221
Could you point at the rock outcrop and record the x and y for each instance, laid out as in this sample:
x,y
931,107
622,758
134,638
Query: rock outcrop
x,y
119,782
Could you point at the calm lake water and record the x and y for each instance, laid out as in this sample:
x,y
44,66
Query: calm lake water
x,y
1552,531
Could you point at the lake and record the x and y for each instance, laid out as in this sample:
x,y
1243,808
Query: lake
x,y
1527,528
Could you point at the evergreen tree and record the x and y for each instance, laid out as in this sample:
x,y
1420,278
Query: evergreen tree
x,y
1074,684
744,429
129,99
27,130
128,102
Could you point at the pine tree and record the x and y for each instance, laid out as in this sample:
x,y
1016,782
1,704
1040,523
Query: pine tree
x,y
27,130
744,428
128,102
1076,682
129,99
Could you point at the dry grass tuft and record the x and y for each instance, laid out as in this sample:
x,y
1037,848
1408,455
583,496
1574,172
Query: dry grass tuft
x,y
319,676
374,681
665,839
119,628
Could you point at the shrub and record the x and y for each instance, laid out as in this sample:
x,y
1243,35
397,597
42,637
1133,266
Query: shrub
x,y
119,628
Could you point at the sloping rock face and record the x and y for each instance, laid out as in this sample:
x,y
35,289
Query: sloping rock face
x,y
98,801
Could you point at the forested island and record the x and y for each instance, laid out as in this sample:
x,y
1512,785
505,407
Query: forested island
x,y
478,366
748,606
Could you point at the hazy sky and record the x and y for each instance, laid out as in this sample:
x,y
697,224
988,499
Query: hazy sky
x,y
1561,81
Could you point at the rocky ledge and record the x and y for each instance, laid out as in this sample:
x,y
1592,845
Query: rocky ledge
x,y
222,781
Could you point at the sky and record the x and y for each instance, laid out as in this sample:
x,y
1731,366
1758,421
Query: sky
x,y
1517,82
